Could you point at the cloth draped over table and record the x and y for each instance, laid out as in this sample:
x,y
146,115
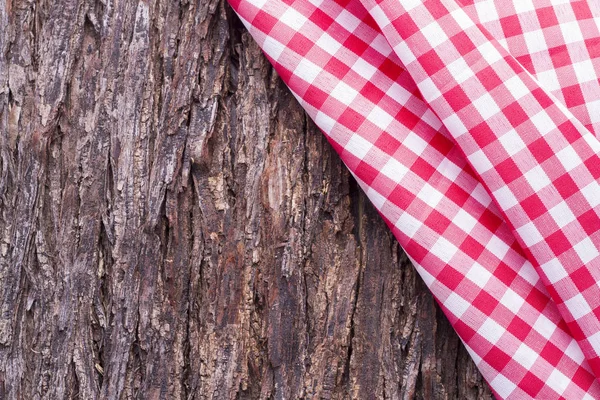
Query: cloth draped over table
x,y
472,126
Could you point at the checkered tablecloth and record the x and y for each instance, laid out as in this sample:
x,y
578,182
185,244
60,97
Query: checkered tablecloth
x,y
472,126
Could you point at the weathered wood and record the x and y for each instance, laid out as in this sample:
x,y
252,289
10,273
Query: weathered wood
x,y
172,226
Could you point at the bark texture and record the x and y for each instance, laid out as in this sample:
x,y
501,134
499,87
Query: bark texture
x,y
173,227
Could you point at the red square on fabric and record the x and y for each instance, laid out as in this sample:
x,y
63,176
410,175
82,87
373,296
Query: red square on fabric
x,y
582,279
519,328
489,78
508,170
423,169
315,96
355,45
463,43
437,221
533,206
551,353
537,299
457,98
541,150
486,302
483,134
515,114
582,10
450,277
405,25
407,118
391,69
546,17
560,56
573,95
589,221
558,242
387,143
351,119
366,173
431,62
534,384
497,358
301,44
337,68
472,247
321,19
511,26
566,186
372,92
593,47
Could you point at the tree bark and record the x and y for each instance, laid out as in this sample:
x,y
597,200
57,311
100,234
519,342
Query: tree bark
x,y
172,226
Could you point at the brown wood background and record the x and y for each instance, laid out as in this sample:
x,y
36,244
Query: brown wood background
x,y
173,227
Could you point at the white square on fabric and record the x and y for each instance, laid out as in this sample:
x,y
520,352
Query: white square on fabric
x,y
569,158
455,125
593,108
408,224
491,330
364,69
512,300
480,161
307,71
464,220
486,11
526,356
461,17
434,34
380,118
293,19
512,142
329,44
594,340
522,6
562,214
358,146
548,80
537,178
530,234
505,197
394,170
324,122
578,306
571,32
347,20
344,93
443,249
398,93
543,122
486,106
544,326
517,88
586,250
535,41
503,386
460,70
554,270
273,48
558,381
591,192
497,247
584,70
479,275
456,304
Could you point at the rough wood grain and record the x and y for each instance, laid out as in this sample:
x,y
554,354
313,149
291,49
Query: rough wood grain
x,y
173,227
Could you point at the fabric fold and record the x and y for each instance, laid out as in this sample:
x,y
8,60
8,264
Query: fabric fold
x,y
523,144
350,79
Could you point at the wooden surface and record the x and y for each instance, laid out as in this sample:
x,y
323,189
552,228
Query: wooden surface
x,y
173,227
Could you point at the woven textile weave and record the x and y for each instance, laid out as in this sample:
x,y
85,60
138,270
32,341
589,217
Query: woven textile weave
x,y
472,126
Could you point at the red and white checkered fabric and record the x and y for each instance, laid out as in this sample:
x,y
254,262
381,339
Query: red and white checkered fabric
x,y
472,126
